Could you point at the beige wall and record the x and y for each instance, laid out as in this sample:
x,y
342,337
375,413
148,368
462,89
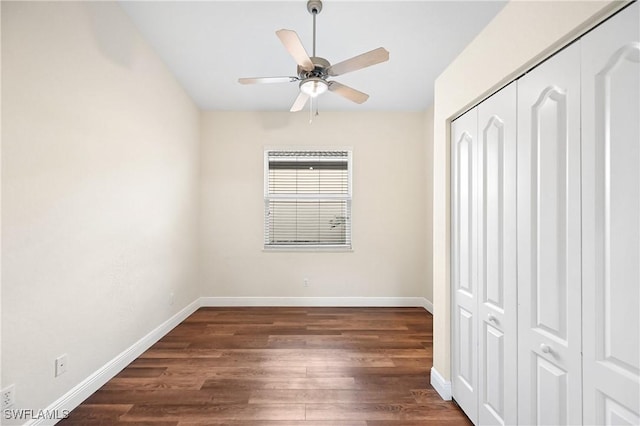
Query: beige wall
x,y
1,382
429,193
520,36
389,209
99,183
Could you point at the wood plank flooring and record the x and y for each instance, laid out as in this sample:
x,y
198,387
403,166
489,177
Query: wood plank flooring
x,y
280,367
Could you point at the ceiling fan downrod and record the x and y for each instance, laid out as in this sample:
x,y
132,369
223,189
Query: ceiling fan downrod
x,y
314,7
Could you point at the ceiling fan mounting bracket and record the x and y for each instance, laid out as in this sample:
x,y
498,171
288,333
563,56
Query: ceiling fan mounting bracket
x,y
314,6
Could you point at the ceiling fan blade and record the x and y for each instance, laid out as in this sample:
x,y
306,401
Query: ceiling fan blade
x,y
300,102
372,57
263,80
348,92
295,48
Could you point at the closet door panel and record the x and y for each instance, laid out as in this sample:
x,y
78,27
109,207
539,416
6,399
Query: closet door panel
x,y
549,210
552,388
492,368
464,264
611,225
549,242
497,258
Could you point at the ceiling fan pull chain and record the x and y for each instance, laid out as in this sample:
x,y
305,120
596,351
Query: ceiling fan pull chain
x,y
310,110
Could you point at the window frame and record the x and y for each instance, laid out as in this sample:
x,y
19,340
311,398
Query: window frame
x,y
348,246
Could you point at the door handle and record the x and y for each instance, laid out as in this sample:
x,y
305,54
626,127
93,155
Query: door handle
x,y
546,349
492,318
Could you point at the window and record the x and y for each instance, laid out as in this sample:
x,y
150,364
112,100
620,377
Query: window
x,y
307,199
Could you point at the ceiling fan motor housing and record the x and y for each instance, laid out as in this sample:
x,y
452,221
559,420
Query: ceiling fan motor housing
x,y
320,66
314,6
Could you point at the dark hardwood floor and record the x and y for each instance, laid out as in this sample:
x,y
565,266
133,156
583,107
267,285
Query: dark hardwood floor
x,y
280,367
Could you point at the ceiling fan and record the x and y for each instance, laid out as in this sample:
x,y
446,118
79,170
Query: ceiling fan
x,y
314,71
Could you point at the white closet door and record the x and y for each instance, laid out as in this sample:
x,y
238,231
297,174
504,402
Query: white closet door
x,y
497,304
464,266
611,220
549,243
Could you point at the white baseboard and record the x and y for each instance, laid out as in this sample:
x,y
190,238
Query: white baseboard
x,y
95,381
442,386
318,301
428,306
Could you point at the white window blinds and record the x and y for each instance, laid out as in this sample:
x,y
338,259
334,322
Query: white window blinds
x,y
307,199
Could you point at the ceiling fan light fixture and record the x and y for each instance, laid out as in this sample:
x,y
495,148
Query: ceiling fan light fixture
x,y
313,86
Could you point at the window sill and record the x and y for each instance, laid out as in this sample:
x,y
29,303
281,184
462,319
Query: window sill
x,y
303,249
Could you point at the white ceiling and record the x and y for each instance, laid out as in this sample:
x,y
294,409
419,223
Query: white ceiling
x,y
208,45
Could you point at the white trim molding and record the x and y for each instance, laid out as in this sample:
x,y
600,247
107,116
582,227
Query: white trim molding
x,y
428,305
318,301
442,386
95,381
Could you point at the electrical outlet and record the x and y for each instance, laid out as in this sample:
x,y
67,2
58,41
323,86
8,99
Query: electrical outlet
x,y
306,282
172,298
8,396
61,364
